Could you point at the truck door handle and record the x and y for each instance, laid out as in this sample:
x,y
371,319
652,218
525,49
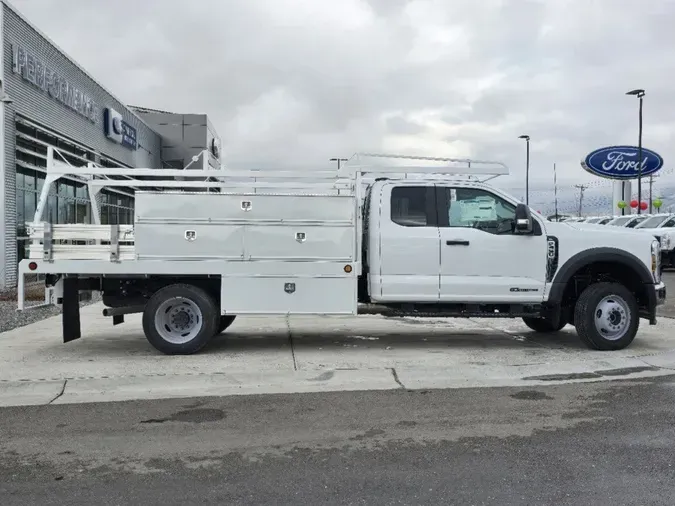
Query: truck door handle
x,y
457,242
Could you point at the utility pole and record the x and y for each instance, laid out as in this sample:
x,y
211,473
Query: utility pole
x,y
338,160
651,185
582,188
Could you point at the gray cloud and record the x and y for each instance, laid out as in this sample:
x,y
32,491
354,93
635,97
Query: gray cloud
x,y
290,82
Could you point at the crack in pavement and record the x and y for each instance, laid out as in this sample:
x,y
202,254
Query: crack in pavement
x,y
290,341
397,379
63,389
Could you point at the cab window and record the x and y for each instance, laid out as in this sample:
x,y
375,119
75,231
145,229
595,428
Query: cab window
x,y
412,206
480,209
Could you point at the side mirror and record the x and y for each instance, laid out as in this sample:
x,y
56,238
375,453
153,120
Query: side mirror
x,y
524,223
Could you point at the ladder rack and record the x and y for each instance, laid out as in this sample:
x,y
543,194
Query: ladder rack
x,y
454,167
351,177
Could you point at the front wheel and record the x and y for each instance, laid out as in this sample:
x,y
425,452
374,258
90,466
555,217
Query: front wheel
x,y
607,316
180,319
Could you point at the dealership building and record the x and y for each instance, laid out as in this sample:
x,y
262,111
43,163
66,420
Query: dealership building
x,y
47,99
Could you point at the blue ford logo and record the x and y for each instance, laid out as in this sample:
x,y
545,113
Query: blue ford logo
x,y
117,125
621,162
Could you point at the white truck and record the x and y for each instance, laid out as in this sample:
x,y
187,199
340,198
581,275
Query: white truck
x,y
366,239
662,227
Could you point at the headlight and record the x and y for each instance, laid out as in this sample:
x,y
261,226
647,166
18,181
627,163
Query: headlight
x,y
656,261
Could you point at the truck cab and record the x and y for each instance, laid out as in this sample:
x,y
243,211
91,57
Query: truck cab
x,y
467,248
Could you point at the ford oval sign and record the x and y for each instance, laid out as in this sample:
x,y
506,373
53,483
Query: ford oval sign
x,y
621,162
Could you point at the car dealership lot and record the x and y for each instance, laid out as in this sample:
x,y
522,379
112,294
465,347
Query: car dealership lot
x,y
310,354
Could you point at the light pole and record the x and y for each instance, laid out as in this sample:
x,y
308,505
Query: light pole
x,y
639,94
527,168
338,160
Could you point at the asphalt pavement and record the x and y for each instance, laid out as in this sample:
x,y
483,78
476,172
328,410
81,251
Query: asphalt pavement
x,y
606,443
600,442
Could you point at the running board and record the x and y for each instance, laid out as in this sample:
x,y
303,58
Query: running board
x,y
453,310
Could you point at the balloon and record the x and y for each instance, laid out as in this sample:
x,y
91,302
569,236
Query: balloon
x,y
643,206
621,204
657,203
633,203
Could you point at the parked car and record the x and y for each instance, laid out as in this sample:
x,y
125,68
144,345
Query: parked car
x,y
656,221
629,220
662,226
599,220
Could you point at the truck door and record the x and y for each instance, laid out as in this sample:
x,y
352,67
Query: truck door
x,y
404,247
481,259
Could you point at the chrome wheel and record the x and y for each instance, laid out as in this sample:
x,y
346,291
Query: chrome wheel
x,y
178,320
612,317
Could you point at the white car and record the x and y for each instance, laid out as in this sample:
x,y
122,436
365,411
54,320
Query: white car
x,y
629,220
657,221
662,226
599,220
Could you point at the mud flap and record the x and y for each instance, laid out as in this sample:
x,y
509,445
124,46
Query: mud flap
x,y
71,310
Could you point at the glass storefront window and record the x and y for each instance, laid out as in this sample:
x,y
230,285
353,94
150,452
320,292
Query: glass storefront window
x,y
29,206
81,192
52,209
20,215
68,201
29,179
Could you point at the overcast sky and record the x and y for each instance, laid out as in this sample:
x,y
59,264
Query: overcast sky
x,y
300,81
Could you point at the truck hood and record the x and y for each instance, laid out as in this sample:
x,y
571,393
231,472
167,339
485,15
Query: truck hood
x,y
657,231
595,228
601,230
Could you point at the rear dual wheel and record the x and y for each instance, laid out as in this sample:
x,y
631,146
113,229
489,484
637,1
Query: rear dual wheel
x,y
180,319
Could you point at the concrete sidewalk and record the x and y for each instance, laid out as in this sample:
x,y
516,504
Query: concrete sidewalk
x,y
310,354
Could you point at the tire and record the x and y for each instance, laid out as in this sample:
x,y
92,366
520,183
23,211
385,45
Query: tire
x,y
180,319
614,308
225,322
543,324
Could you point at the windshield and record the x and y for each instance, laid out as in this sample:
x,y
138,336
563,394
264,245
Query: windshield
x,y
604,221
620,222
637,221
593,220
652,222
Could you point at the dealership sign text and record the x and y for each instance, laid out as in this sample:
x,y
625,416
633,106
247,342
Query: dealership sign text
x,y
48,80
